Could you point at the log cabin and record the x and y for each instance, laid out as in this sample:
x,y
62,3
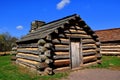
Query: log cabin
x,y
64,44
110,41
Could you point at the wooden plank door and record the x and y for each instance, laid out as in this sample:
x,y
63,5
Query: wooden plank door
x,y
75,53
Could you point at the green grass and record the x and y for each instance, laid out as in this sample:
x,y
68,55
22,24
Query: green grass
x,y
9,71
110,62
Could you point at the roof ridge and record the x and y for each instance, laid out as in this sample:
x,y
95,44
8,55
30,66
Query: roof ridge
x,y
107,29
55,21
50,25
60,19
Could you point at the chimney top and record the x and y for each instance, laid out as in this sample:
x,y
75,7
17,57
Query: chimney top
x,y
36,24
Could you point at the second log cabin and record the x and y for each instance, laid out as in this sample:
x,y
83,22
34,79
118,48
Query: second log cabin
x,y
63,44
110,41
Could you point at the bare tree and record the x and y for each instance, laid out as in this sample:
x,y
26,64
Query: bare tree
x,y
6,41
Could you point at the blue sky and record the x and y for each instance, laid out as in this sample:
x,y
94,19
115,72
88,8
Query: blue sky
x,y
17,15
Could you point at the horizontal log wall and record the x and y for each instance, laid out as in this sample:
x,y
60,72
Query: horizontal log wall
x,y
62,63
90,51
28,48
37,57
29,45
61,57
27,55
61,45
110,49
55,49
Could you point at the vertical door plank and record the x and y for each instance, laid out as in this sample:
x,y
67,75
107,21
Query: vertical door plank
x,y
75,54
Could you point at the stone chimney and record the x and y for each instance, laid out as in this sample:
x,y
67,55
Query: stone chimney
x,y
36,24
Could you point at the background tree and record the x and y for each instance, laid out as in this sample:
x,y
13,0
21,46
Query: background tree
x,y
6,41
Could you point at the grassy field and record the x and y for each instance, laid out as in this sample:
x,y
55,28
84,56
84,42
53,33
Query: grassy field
x,y
109,62
9,71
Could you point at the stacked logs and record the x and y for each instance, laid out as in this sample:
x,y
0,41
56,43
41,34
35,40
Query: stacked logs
x,y
45,56
110,49
90,51
14,52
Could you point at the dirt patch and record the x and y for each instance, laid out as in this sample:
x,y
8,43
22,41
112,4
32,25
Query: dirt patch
x,y
94,74
115,68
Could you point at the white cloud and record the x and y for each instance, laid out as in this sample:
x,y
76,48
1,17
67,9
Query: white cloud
x,y
62,4
19,27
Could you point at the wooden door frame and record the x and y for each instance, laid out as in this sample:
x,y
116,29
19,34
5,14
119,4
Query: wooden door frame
x,y
80,45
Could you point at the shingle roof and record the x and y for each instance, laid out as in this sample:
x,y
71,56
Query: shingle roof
x,y
109,34
49,28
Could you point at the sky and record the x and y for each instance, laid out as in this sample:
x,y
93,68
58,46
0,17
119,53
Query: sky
x,y
16,15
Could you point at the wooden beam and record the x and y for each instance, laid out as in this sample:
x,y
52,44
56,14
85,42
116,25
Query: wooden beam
x,y
110,53
62,69
76,32
89,53
107,49
64,39
91,63
56,41
57,57
111,46
61,45
89,46
76,35
27,62
61,63
31,45
76,28
32,64
89,58
27,48
88,41
28,56
28,51
62,53
61,49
